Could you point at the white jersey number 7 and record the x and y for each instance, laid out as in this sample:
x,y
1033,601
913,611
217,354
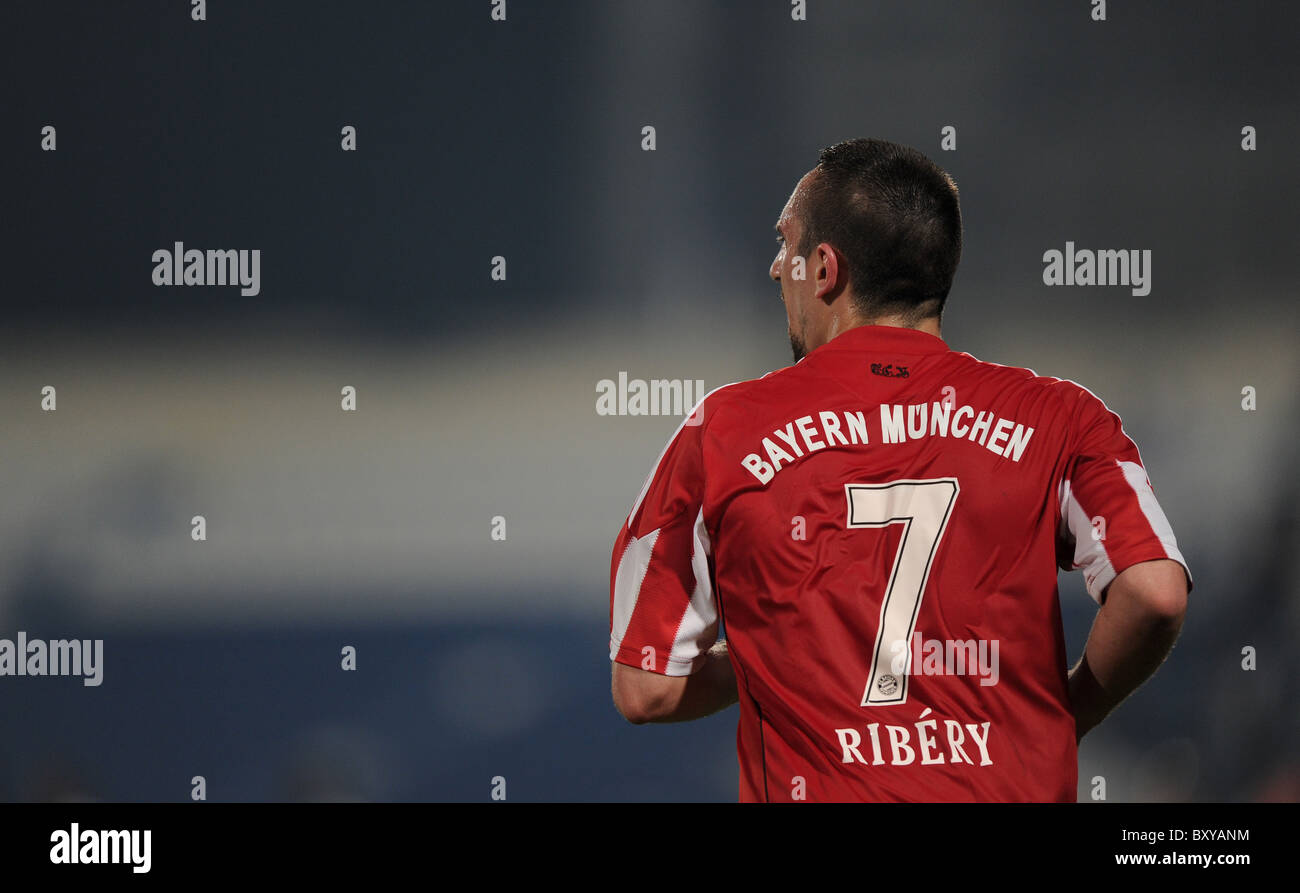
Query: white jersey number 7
x,y
923,508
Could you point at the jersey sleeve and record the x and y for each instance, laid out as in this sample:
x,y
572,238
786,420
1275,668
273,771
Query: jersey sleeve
x,y
1110,519
663,613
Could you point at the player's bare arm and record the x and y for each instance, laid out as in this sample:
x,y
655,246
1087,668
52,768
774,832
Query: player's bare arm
x,y
642,696
1133,633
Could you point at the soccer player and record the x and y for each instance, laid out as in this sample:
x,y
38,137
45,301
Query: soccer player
x,y
878,529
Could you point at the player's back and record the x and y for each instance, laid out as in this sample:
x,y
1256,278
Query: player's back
x,y
884,522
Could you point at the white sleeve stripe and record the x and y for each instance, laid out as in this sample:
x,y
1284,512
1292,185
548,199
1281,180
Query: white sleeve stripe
x,y
1063,497
1089,552
632,568
1136,477
700,622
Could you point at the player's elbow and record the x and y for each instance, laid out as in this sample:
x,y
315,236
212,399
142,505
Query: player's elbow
x,y
1158,590
637,706
640,696
633,712
634,707
1168,607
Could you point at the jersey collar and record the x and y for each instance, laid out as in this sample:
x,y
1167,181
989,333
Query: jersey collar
x,y
894,339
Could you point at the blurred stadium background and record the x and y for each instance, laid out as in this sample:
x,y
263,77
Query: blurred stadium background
x,y
476,398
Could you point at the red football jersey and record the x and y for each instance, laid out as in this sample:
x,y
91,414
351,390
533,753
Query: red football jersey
x,y
879,527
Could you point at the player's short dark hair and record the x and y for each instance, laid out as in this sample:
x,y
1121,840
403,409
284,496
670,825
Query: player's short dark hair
x,y
894,218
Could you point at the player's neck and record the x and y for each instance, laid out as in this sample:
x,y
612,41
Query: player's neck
x,y
929,325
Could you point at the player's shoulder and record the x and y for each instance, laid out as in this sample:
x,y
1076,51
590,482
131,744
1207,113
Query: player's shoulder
x,y
753,395
1064,394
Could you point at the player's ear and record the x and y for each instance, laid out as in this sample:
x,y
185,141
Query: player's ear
x,y
828,270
